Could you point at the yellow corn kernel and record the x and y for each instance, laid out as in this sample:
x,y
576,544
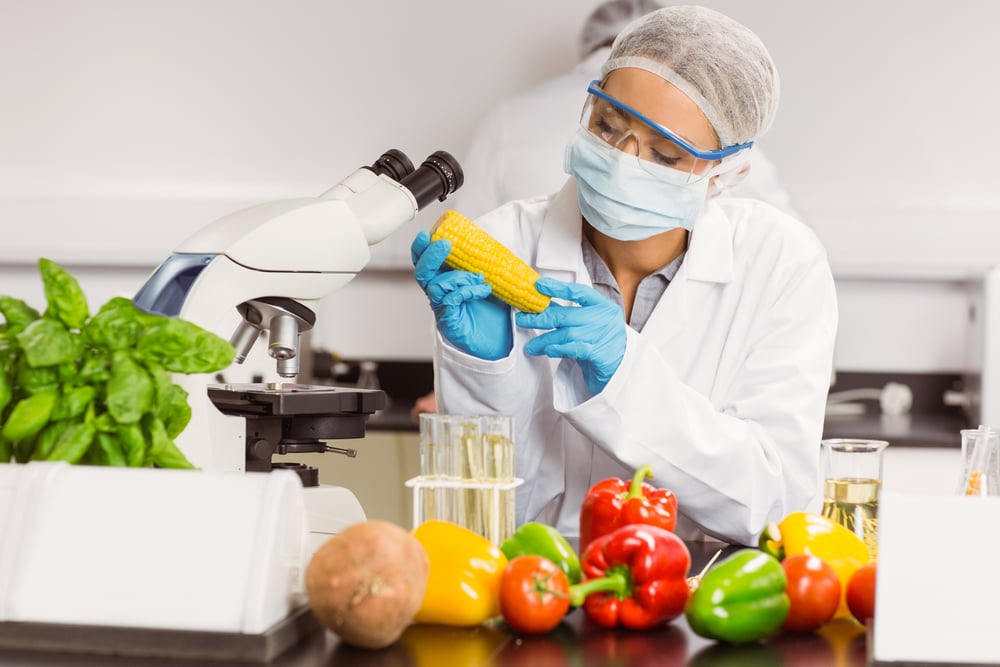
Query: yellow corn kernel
x,y
473,250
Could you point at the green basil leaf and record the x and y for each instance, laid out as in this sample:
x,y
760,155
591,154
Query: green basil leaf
x,y
170,456
67,302
47,342
73,402
35,380
96,369
133,443
46,440
107,451
67,372
184,347
74,443
174,410
156,434
17,313
129,392
105,423
161,380
29,416
116,326
6,390
23,449
171,401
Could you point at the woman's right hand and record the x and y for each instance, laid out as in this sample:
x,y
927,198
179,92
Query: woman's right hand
x,y
467,315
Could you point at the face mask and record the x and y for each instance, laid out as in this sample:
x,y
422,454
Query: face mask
x,y
624,201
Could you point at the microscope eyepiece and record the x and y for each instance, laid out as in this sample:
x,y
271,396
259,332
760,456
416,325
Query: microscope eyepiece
x,y
436,178
394,164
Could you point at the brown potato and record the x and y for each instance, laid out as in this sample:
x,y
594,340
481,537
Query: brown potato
x,y
366,582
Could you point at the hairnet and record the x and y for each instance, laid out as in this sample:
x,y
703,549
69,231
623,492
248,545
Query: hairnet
x,y
608,19
719,63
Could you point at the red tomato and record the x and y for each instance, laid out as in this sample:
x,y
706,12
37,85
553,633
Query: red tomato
x,y
534,594
813,591
861,592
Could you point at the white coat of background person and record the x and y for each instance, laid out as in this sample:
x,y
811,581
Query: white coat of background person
x,y
719,379
517,149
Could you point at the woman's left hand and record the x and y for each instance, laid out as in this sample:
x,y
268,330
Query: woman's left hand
x,y
592,332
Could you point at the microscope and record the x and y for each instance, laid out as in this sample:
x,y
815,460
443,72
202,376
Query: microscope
x,y
258,273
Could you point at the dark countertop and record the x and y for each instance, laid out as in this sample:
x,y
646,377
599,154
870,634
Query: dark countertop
x,y
578,642
575,642
395,418
921,430
930,423
935,430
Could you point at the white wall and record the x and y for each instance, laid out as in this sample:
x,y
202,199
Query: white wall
x,y
125,126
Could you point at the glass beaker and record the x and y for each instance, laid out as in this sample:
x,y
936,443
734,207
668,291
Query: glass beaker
x,y
852,482
980,462
467,473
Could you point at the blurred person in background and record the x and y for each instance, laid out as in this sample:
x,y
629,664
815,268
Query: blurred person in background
x,y
687,331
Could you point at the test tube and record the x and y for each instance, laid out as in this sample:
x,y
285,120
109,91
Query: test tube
x,y
467,471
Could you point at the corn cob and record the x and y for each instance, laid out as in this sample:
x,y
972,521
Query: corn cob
x,y
472,249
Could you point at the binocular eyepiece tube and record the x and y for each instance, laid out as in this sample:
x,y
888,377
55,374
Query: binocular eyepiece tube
x,y
437,176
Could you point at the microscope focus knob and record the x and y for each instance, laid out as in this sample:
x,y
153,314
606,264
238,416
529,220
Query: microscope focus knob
x,y
260,449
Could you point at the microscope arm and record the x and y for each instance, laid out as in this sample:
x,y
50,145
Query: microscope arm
x,y
266,265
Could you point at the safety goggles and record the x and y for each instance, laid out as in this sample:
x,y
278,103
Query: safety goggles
x,y
658,147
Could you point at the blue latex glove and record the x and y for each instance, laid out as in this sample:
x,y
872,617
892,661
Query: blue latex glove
x,y
593,333
467,316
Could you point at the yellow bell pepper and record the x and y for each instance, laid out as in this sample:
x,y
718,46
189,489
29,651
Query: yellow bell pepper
x,y
807,533
463,588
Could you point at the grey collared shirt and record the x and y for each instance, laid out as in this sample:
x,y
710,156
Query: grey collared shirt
x,y
651,288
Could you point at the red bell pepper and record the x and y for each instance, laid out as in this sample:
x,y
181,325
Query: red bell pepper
x,y
634,577
614,502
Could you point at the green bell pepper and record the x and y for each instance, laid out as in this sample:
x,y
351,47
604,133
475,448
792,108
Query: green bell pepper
x,y
539,539
741,599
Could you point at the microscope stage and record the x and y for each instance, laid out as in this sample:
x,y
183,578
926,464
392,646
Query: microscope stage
x,y
290,399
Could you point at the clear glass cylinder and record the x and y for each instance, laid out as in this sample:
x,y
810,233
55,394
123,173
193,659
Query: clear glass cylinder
x,y
980,462
852,483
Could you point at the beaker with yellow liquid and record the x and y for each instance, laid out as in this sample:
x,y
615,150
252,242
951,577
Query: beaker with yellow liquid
x,y
852,482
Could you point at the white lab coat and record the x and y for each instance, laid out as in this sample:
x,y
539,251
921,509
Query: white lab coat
x,y
723,392
518,148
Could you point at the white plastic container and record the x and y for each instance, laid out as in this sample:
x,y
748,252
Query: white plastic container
x,y
149,548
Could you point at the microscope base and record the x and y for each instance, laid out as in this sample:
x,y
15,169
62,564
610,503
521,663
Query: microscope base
x,y
330,509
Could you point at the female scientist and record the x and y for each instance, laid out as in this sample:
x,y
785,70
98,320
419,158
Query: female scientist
x,y
690,332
